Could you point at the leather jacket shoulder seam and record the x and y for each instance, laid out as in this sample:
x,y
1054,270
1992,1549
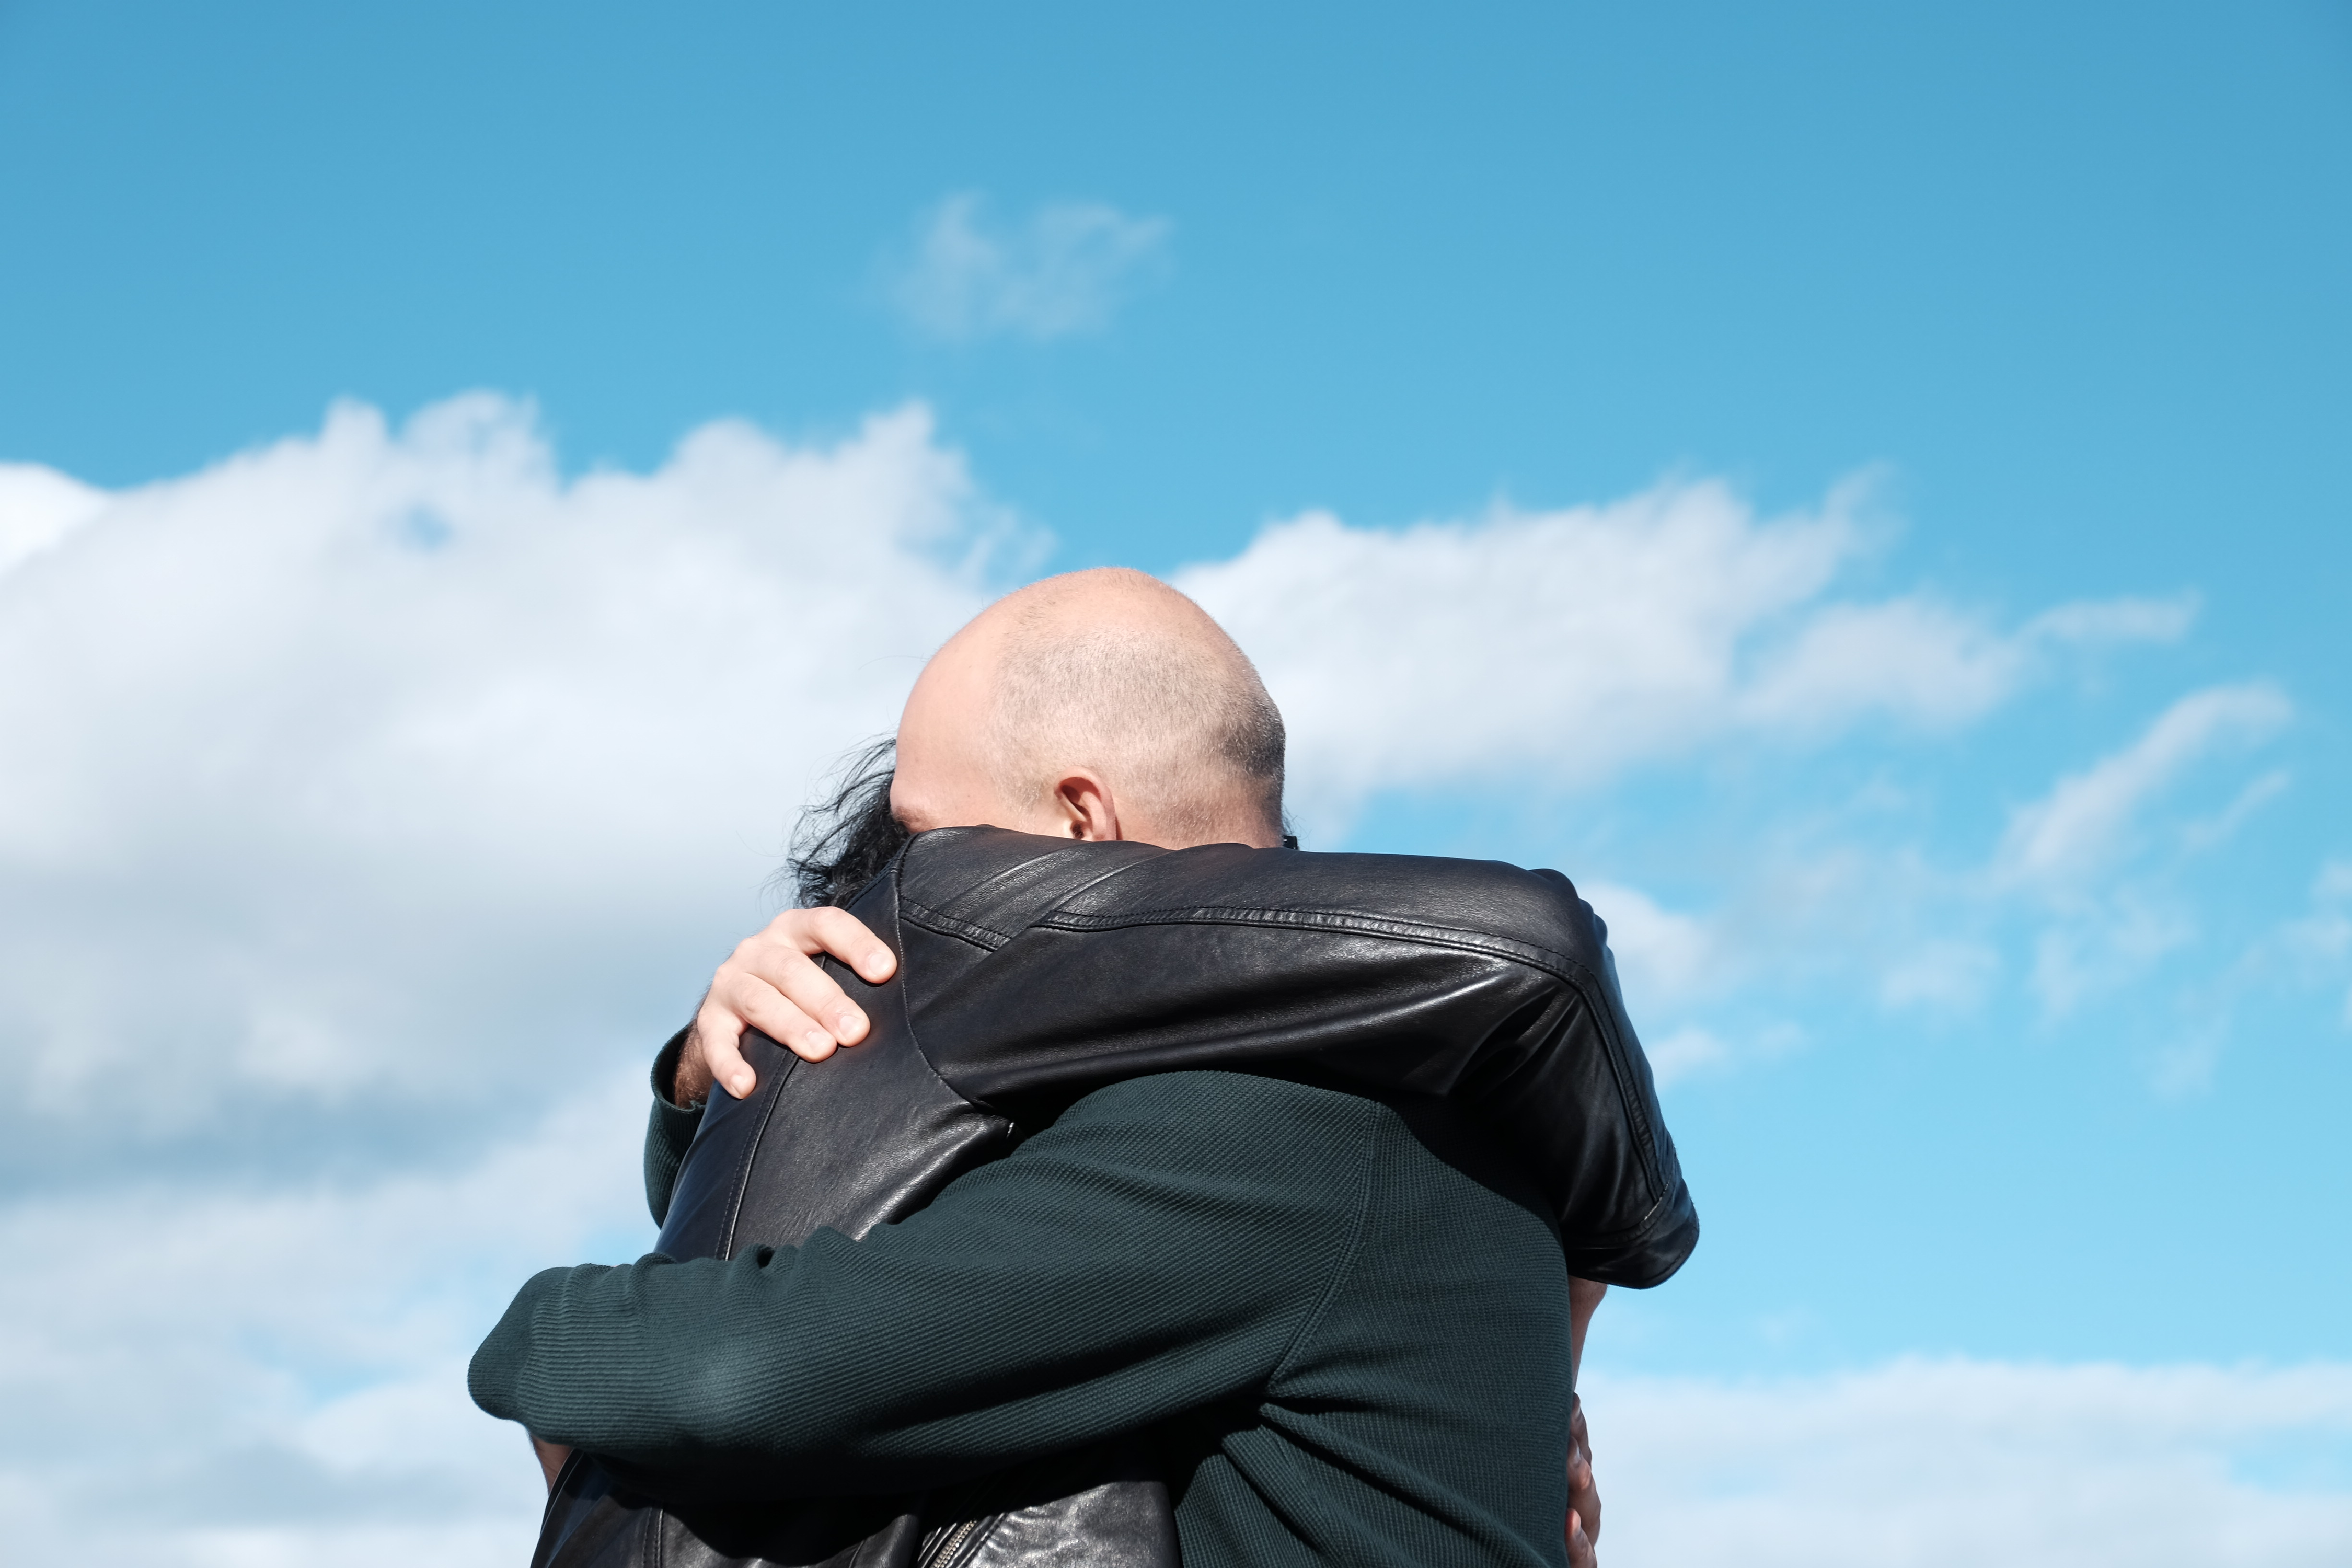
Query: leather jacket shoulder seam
x,y
1120,869
1560,965
899,906
977,888
930,920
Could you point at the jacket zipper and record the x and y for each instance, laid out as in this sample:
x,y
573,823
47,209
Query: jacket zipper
x,y
950,1545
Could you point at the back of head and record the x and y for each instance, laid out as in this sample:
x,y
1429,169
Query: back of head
x,y
1113,670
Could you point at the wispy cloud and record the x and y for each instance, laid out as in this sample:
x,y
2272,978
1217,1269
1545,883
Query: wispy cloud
x,y
2087,819
1569,646
276,1373
1066,269
1685,1053
2317,945
1942,974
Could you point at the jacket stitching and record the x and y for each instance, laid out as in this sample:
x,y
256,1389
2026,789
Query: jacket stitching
x,y
1550,959
1119,870
899,904
1621,1069
924,918
977,891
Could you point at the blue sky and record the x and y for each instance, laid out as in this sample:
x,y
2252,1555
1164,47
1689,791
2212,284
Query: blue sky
x,y
1862,488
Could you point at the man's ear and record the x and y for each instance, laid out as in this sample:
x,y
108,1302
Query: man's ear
x,y
1087,810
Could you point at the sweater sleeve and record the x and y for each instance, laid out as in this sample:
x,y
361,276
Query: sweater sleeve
x,y
1158,1249
669,1131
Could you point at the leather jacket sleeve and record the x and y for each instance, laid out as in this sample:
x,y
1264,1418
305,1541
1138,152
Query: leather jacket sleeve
x,y
1470,981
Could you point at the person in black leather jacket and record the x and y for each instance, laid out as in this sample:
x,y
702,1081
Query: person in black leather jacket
x,y
1217,1278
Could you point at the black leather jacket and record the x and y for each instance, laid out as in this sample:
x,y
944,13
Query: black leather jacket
x,y
1035,970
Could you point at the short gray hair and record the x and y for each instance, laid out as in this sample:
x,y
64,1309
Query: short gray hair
x,y
1180,722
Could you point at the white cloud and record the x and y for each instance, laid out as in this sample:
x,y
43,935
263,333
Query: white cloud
x,y
1913,656
39,507
1664,959
1672,964
1563,647
375,800
245,1373
2078,855
2086,821
1953,1464
1686,1053
339,745
2117,620
1065,270
1543,655
1931,664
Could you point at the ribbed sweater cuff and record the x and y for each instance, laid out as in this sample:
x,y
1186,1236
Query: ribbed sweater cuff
x,y
668,1131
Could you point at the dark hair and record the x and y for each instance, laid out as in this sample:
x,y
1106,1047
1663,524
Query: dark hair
x,y
843,843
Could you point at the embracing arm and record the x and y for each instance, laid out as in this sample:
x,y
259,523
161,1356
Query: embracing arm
x,y
773,982
1043,969
1188,1223
1475,983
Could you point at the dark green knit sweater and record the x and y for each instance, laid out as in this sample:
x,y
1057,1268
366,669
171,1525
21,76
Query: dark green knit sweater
x,y
1346,1325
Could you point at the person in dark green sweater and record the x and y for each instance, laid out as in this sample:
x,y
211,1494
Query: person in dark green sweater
x,y
1345,1323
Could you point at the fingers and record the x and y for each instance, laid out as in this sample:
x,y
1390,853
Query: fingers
x,y
773,983
786,985
845,937
1580,1554
755,1002
719,1038
1583,1495
781,956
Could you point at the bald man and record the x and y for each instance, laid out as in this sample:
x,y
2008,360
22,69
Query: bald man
x,y
1335,1307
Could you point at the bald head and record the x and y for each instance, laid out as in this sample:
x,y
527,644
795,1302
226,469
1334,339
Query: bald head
x,y
1098,704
